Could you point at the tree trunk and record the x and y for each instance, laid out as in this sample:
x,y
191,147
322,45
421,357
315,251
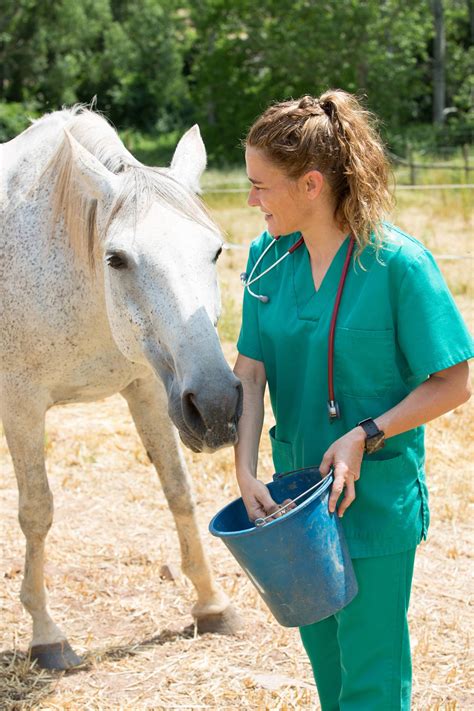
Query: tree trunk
x,y
439,58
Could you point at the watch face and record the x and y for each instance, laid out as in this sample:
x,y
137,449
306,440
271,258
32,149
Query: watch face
x,y
373,444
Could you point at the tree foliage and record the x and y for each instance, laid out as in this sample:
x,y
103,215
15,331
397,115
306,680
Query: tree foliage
x,y
158,65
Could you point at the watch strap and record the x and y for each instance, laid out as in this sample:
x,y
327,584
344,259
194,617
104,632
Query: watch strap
x,y
374,437
369,427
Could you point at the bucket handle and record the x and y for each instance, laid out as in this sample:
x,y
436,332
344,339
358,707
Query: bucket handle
x,y
283,509
280,475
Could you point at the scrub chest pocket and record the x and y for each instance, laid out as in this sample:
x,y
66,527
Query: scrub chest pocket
x,y
375,350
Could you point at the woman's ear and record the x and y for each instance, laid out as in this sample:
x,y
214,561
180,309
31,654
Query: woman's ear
x,y
313,182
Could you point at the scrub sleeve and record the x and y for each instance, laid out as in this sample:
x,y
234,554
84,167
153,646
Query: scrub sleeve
x,y
397,324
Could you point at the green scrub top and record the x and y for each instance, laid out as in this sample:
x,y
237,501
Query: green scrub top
x,y
397,323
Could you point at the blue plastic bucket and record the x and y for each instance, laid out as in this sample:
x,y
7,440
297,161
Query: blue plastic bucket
x,y
299,562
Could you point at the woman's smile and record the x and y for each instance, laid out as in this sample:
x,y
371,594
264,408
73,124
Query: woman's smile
x,y
273,192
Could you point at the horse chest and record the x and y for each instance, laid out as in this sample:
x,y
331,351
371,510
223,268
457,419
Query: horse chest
x,y
92,379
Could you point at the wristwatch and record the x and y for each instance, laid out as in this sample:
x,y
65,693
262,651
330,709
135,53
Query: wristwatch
x,y
374,438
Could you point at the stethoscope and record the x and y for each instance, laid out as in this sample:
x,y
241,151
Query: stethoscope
x,y
249,279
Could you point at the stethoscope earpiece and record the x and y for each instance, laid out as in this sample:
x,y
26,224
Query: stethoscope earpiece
x,y
263,299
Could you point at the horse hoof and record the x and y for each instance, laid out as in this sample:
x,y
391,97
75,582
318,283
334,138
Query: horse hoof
x,y
226,622
59,656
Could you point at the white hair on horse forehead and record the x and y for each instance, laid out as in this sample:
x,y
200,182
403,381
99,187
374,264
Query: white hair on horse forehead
x,y
141,185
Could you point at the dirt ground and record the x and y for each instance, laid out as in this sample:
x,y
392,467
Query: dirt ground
x,y
112,533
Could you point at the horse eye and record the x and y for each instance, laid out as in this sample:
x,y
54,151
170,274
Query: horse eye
x,y
116,260
218,254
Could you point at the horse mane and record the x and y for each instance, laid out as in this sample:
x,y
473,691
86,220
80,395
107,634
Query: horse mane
x,y
141,185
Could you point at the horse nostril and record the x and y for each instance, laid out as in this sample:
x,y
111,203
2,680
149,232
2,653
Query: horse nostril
x,y
191,414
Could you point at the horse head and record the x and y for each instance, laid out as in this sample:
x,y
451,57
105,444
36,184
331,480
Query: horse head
x,y
157,249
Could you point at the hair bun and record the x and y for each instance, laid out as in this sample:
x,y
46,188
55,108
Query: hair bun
x,y
307,102
328,107
313,107
309,106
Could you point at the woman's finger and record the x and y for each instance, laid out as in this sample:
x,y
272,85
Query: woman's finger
x,y
337,488
287,505
254,509
326,463
266,502
355,473
349,496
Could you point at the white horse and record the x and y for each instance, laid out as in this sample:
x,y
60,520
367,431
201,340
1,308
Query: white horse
x,y
108,284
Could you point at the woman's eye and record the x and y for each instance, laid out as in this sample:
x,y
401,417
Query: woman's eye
x,y
116,260
217,255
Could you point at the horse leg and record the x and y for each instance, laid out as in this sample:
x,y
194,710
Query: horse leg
x,y
23,421
147,402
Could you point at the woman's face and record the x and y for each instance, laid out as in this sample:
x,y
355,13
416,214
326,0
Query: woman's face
x,y
281,199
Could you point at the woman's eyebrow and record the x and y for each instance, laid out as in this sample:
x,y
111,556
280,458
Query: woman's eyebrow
x,y
254,181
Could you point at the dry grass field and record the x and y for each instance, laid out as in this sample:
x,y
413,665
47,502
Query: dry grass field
x,y
112,533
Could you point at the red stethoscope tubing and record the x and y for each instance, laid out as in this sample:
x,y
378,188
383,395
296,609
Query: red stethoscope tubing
x,y
332,327
296,245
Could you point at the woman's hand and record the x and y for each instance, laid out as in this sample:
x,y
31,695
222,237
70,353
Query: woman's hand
x,y
257,499
345,456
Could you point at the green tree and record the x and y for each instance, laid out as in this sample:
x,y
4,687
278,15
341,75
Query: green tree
x,y
245,59
48,47
157,65
459,19
142,64
129,54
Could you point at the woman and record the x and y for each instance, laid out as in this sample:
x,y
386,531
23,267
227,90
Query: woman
x,y
318,170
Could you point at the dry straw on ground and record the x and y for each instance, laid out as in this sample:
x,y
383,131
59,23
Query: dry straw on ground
x,y
113,532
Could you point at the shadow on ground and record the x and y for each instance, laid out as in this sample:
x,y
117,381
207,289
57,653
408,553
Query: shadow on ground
x,y
23,685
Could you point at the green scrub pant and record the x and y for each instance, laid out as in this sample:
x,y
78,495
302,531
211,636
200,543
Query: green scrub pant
x,y
361,655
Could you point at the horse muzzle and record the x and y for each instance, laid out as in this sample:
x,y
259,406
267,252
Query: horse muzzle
x,y
207,420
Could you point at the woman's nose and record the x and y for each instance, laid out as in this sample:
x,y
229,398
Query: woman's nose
x,y
252,200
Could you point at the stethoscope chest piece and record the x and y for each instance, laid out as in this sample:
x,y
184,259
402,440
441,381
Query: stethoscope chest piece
x,y
244,278
333,410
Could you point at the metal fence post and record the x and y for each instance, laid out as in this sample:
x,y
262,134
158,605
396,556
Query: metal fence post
x,y
465,153
411,163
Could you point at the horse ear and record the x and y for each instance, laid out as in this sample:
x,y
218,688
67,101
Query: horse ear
x,y
189,159
95,178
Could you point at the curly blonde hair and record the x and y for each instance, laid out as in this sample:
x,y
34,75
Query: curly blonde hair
x,y
337,136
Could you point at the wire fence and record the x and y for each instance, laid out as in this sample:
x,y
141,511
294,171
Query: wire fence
x,y
415,167
210,190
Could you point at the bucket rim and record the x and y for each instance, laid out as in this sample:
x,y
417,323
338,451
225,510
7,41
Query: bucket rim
x,y
319,491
